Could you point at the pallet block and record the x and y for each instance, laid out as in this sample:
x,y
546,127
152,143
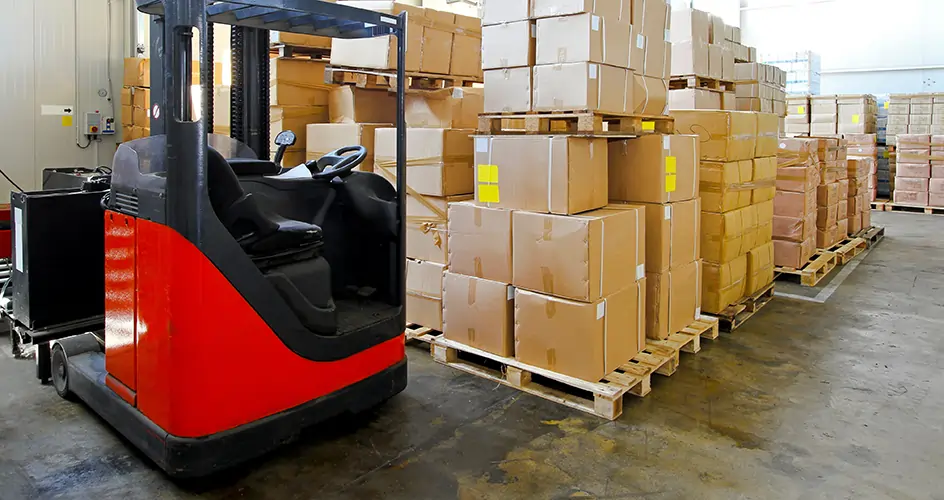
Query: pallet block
x,y
733,316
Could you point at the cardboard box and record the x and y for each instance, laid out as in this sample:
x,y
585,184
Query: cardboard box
x,y
764,179
424,284
138,132
911,184
613,9
127,133
727,64
426,227
842,229
582,257
728,101
672,300
920,120
583,38
866,219
694,99
936,186
842,209
793,254
137,72
510,169
467,46
690,58
760,268
796,229
126,97
827,195
581,86
479,313
323,138
914,198
508,45
649,95
582,340
935,200
823,128
672,234
142,117
855,224
919,129
717,29
480,241
899,119
349,104
715,69
726,186
509,90
723,284
141,98
794,204
440,160
826,217
825,238
722,135
505,11
127,115
914,170
768,135
723,235
437,41
689,25
653,168
381,52
455,107
297,82
657,62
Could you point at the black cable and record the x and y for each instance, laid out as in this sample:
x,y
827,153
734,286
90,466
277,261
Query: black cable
x,y
7,177
85,146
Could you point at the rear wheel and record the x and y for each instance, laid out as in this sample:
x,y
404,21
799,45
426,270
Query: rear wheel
x,y
60,372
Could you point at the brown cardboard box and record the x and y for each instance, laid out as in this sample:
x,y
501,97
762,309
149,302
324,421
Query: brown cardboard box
x,y
613,9
690,58
324,138
141,117
349,104
689,25
723,284
127,132
141,98
652,16
794,204
764,179
480,241
715,69
509,90
583,38
936,186
855,224
296,119
467,47
723,135
727,64
793,254
579,339
671,299
439,160
768,138
556,174
866,219
658,59
581,86
765,222
437,41
728,101
800,178
455,107
826,217
508,45
723,235
694,99
935,200
126,97
127,115
299,40
914,198
582,257
911,184
672,234
913,170
726,186
297,82
381,52
842,228
138,132
826,238
717,29
760,268
796,229
505,11
650,95
424,283
653,168
751,235
137,72
426,227
479,313
827,195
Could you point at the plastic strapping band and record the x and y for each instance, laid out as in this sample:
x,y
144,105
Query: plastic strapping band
x,y
645,87
605,327
550,170
490,139
602,32
636,263
602,246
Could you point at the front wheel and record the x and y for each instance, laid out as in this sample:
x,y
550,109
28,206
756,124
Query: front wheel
x,y
60,372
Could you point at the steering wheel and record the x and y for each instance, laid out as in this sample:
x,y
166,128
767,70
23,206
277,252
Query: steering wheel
x,y
337,163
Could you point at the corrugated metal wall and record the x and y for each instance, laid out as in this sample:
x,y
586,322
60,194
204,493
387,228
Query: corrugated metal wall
x,y
57,53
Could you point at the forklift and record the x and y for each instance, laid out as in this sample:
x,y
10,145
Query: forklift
x,y
239,301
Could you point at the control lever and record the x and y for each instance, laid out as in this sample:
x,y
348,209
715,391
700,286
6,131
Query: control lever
x,y
284,140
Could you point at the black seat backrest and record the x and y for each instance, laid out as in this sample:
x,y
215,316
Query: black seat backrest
x,y
237,210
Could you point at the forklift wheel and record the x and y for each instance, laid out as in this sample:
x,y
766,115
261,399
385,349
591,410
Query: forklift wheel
x,y
60,372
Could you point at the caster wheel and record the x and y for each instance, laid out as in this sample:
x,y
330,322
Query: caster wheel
x,y
60,373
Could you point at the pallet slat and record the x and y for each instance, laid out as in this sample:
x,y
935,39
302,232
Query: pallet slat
x,y
736,314
910,209
376,79
576,122
812,272
700,82
872,235
848,249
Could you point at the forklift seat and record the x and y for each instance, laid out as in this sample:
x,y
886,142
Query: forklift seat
x,y
259,232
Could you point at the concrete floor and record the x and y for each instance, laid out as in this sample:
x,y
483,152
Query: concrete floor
x,y
837,400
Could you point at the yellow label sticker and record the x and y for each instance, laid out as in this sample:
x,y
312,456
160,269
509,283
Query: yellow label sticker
x,y
488,173
670,183
670,164
855,119
488,193
801,110
886,154
67,120
886,104
648,126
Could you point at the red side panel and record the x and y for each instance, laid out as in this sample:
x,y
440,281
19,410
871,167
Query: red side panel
x,y
6,242
119,299
206,361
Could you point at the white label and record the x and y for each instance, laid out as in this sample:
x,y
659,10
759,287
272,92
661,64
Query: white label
x,y
593,71
640,272
481,145
668,38
595,23
666,143
18,238
697,312
668,212
57,110
511,292
601,309
783,145
388,20
457,93
640,41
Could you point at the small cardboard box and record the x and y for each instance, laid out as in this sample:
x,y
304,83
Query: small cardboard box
x,y
796,229
654,169
935,200
137,72
141,98
142,117
467,47
726,186
760,268
828,237
672,299
424,284
509,90
581,87
323,138
727,64
508,45
715,69
689,25
793,254
479,313
722,135
480,241
768,135
795,204
649,95
855,224
455,107
723,235
426,227
613,9
582,257
579,339
694,99
936,186
583,38
827,195
842,211
764,179
728,101
723,284
673,234
126,96
440,160
381,52
552,174
505,11
349,104
826,217
690,58
437,41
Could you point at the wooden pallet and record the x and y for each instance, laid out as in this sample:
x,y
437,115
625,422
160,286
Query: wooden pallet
x,y
911,209
302,51
848,249
879,205
872,235
812,272
376,79
736,314
575,122
700,82
604,398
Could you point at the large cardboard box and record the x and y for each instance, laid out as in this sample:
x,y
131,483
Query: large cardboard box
x,y
479,313
612,9
911,184
658,59
583,38
426,227
727,64
509,90
723,235
715,69
673,234
827,216
649,95
296,119
582,257
480,241
768,138
690,58
793,254
142,117
913,170
324,138
467,46
825,238
349,104
583,340
439,160
672,299
764,179
456,107
508,45
505,11
555,174
297,82
381,52
914,198
694,99
796,229
137,72
424,284
653,168
689,25
723,284
795,204
827,195
760,268
581,86
726,186
437,41
722,135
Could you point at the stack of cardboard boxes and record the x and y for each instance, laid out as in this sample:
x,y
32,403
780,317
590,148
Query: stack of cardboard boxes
x,y
857,114
937,115
760,88
136,99
936,185
913,170
697,50
552,55
824,115
795,213
863,147
297,96
899,111
730,38
737,175
859,194
832,208
797,121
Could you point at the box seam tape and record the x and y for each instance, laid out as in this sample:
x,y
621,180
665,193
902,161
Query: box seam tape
x,y
550,172
602,247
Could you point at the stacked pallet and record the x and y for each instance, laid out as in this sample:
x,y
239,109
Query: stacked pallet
x,y
797,121
864,148
859,195
760,87
702,66
913,170
795,214
738,171
831,215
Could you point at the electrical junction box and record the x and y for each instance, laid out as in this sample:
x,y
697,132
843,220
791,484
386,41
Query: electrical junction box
x,y
96,124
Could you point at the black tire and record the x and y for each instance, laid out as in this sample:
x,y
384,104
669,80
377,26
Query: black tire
x,y
60,373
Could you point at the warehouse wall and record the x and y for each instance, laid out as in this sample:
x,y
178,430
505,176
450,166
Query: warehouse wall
x,y
867,46
47,61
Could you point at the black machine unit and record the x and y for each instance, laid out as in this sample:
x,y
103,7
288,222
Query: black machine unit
x,y
68,177
62,230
